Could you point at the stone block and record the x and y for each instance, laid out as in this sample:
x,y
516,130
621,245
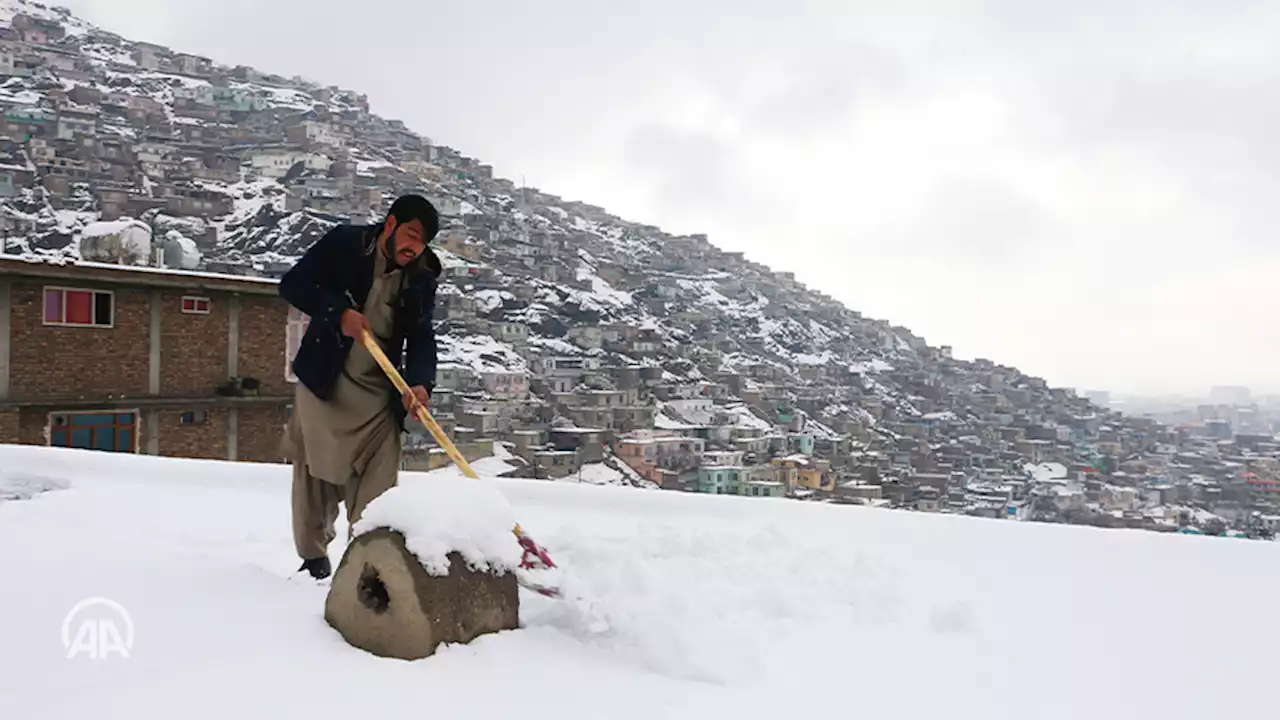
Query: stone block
x,y
384,601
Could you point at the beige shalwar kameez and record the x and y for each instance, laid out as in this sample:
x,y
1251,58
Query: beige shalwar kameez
x,y
346,449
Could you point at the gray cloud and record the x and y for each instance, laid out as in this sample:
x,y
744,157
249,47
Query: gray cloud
x,y
689,172
979,221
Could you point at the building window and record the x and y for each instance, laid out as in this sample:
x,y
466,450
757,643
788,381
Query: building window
x,y
78,307
195,305
295,328
109,431
194,417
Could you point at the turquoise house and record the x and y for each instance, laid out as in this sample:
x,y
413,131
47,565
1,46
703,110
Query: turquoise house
x,y
801,443
720,480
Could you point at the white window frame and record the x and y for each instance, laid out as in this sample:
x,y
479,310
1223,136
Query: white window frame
x,y
64,289
295,328
196,299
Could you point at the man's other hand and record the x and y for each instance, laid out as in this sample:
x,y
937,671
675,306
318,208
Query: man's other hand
x,y
353,324
417,395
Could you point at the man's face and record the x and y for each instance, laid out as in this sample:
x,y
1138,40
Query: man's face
x,y
408,241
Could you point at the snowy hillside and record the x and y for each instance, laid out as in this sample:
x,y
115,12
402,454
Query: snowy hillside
x,y
693,607
253,168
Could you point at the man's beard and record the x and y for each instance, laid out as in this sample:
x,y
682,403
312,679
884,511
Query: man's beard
x,y
398,258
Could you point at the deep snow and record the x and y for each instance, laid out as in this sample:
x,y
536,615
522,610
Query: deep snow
x,y
691,606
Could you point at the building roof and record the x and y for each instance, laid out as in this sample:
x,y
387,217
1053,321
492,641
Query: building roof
x,y
83,271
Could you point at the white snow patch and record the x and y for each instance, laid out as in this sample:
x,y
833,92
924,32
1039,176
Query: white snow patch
x,y
742,416
596,474
119,241
19,484
555,344
73,25
665,422
822,358
366,167
699,412
872,366
490,300
481,353
1050,472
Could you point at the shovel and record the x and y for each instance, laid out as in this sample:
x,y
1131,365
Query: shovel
x,y
535,557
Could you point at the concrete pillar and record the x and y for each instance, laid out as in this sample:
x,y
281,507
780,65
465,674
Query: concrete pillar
x,y
156,308
6,334
153,432
233,433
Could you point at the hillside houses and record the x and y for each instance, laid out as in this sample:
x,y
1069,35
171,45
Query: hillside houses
x,y
575,336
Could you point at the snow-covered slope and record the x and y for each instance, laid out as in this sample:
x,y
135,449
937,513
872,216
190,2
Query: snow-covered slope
x,y
693,607
167,127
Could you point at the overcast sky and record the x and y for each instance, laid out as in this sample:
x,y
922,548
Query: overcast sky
x,y
1085,190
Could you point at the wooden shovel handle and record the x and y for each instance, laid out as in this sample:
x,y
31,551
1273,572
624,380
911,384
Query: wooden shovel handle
x,y
436,431
425,417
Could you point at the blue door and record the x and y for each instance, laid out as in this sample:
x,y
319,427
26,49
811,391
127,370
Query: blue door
x,y
110,431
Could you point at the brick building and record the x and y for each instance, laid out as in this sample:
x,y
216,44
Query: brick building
x,y
144,360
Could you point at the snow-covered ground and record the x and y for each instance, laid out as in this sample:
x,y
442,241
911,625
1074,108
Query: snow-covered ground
x,y
682,606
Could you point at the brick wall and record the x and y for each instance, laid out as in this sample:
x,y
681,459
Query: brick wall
x,y
56,365
206,440
262,343
260,430
9,426
31,426
193,347
79,362
62,363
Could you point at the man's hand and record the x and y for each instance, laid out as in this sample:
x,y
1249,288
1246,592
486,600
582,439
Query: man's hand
x,y
417,395
353,323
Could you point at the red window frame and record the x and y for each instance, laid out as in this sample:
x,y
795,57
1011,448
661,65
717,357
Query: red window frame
x,y
77,307
196,305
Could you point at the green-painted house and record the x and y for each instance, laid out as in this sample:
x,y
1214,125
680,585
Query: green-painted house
x,y
720,480
801,443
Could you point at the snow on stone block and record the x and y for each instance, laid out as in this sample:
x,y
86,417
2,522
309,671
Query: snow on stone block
x,y
432,561
382,600
448,513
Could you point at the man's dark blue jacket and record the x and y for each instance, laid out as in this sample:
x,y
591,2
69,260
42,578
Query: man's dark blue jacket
x,y
335,274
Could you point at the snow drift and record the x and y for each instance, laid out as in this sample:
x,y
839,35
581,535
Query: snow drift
x,y
680,606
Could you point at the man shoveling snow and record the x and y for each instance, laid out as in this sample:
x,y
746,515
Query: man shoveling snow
x,y
344,436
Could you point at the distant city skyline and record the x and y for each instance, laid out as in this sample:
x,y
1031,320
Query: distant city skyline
x,y
1208,396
